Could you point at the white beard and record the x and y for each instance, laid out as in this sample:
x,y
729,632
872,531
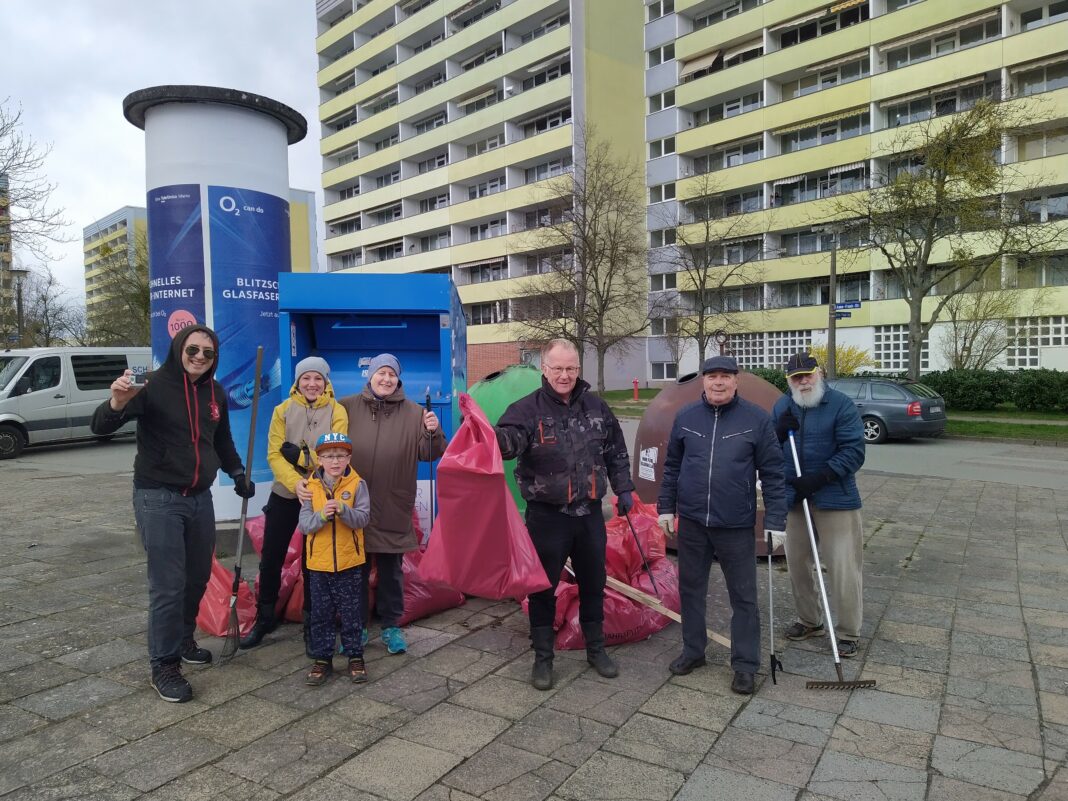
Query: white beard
x,y
811,399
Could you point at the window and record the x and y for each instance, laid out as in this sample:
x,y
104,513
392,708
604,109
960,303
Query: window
x,y
1027,335
891,348
1054,12
383,216
433,163
554,119
481,58
485,273
658,283
389,141
484,146
488,313
544,28
662,101
388,179
730,156
429,83
44,373
550,169
434,241
713,208
664,326
756,50
748,350
781,345
741,299
488,187
825,79
1045,208
661,147
723,12
383,68
889,392
342,227
968,36
660,8
430,123
658,55
487,230
551,261
854,287
897,5
480,14
948,101
431,203
792,294
98,371
662,238
729,108
1043,79
1038,271
658,194
419,48
392,251
382,105
823,26
663,371
851,389
553,72
481,102
823,133
1053,142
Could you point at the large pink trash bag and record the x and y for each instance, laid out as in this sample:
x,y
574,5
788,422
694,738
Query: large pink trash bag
x,y
479,543
213,617
290,567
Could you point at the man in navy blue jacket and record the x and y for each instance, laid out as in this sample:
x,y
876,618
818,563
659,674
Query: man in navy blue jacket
x,y
716,447
829,436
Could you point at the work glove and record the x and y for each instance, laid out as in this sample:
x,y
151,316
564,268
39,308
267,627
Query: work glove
x,y
667,523
776,539
624,503
807,484
243,487
787,423
291,453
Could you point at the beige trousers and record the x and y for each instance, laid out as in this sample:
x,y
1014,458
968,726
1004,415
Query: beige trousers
x,y
841,550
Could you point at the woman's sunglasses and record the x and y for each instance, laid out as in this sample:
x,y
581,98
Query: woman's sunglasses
x,y
193,350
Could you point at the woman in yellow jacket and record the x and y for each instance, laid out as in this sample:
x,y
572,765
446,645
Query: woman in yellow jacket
x,y
309,412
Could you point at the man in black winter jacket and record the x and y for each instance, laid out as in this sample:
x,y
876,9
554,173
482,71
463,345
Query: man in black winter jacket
x,y
715,449
183,438
569,448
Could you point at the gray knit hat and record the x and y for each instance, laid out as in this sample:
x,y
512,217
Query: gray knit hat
x,y
312,364
384,360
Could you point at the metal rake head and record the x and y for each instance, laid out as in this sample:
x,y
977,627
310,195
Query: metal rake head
x,y
840,685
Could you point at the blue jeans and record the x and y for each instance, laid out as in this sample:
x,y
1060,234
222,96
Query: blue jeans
x,y
178,532
735,549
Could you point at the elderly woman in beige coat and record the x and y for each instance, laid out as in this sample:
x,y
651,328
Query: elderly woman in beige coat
x,y
390,436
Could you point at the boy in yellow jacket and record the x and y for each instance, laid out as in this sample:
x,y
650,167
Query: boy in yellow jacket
x,y
332,523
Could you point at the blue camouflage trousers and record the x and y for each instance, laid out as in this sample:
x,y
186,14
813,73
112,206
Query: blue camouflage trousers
x,y
333,595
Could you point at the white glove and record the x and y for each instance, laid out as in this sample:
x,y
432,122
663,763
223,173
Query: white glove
x,y
667,523
778,538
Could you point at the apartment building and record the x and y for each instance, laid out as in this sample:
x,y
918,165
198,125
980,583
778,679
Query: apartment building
x,y
787,104
443,123
117,236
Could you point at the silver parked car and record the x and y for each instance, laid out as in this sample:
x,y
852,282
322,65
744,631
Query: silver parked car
x,y
895,409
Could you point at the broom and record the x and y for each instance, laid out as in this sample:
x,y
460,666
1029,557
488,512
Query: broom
x,y
841,684
233,630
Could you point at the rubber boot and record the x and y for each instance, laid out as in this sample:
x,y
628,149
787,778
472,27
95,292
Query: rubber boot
x,y
541,676
595,653
266,622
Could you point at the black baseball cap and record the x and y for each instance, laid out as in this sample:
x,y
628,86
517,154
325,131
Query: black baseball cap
x,y
725,363
801,363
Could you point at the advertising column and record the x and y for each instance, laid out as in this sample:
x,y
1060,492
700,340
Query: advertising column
x,y
218,236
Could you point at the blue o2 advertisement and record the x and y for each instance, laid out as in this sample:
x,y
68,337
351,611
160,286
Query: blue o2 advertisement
x,y
249,245
176,259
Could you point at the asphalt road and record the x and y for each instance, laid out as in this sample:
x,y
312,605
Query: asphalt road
x,y
1022,465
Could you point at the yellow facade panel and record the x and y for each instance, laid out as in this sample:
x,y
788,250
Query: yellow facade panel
x,y
715,36
937,71
1035,44
725,81
816,50
917,18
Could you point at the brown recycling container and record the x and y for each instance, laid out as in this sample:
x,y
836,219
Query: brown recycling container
x,y
650,443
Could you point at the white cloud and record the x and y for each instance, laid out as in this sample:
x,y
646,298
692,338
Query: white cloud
x,y
70,63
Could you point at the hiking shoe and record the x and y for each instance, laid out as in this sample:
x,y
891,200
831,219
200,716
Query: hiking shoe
x,y
685,665
847,649
167,680
799,631
193,654
742,683
318,674
394,640
357,670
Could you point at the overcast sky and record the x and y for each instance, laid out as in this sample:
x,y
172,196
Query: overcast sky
x,y
69,64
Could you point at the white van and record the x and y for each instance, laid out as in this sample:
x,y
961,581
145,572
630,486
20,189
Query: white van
x,y
50,394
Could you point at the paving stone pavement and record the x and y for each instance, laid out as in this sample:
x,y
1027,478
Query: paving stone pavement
x,y
966,633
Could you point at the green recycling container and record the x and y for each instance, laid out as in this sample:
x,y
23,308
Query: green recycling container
x,y
495,393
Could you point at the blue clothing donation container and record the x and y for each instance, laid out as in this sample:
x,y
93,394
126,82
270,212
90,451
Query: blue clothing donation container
x,y
348,319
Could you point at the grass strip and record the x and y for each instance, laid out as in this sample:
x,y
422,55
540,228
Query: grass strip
x,y
1021,431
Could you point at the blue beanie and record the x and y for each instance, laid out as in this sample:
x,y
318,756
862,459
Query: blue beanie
x,y
383,360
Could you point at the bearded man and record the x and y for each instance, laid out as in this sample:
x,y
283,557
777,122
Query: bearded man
x,y
830,443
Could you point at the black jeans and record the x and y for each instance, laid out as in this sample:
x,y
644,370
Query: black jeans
x,y
280,521
389,593
557,536
178,532
736,550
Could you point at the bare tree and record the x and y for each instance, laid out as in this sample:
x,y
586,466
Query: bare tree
x,y
49,313
589,249
716,260
940,213
121,317
32,222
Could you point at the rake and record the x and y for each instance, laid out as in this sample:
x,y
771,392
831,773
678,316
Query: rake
x,y
841,684
233,629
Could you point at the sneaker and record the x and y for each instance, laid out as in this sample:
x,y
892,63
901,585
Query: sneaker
x,y
799,631
318,674
167,680
394,640
357,670
193,654
847,649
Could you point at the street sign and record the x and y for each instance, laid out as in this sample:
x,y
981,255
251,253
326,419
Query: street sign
x,y
852,304
840,315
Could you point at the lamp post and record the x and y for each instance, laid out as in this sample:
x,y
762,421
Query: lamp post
x,y
19,276
830,368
